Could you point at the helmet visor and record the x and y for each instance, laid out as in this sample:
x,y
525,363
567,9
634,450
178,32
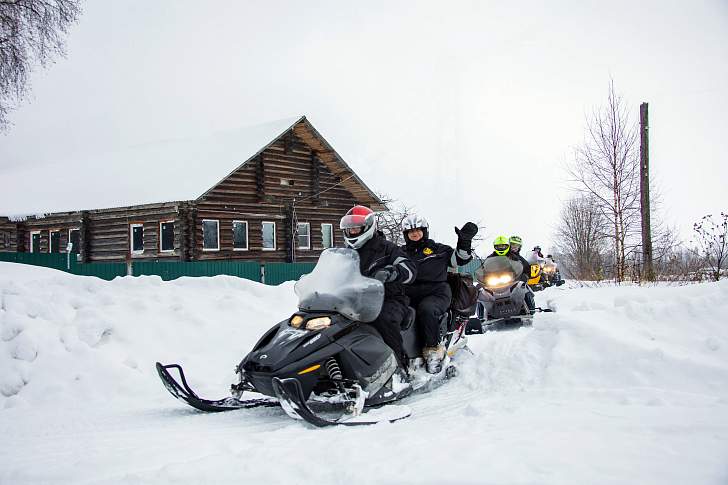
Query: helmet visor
x,y
501,247
352,232
353,220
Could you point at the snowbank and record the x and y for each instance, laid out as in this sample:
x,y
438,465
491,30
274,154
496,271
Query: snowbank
x,y
620,385
67,338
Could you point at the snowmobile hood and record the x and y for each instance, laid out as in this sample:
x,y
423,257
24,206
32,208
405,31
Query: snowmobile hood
x,y
284,345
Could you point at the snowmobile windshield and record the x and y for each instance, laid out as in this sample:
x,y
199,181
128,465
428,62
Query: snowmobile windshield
x,y
337,285
497,271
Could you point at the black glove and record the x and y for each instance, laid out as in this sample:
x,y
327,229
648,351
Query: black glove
x,y
466,235
386,274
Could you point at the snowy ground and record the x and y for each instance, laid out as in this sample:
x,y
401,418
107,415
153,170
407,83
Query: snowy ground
x,y
621,385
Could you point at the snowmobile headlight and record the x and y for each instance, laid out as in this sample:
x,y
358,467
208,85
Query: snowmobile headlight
x,y
548,269
296,321
499,280
318,323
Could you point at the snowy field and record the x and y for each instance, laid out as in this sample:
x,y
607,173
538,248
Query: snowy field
x,y
619,386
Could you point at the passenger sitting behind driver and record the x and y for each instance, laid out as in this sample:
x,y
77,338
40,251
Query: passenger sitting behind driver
x,y
430,294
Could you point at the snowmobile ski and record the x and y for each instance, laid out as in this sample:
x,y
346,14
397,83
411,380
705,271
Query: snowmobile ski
x,y
184,393
292,401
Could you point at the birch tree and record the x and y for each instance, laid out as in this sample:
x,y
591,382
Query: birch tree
x,y
606,169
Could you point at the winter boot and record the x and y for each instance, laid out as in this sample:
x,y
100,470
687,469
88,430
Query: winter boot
x,y
433,358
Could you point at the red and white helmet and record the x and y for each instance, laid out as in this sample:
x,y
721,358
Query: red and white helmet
x,y
361,218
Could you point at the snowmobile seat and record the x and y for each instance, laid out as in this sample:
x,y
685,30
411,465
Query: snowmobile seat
x,y
408,320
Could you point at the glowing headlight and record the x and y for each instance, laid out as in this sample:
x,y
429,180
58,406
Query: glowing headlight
x,y
498,280
296,321
318,323
549,269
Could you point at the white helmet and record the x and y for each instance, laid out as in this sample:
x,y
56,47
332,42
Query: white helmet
x,y
360,217
414,221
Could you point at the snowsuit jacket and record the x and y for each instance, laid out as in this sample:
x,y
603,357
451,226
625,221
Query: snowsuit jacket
x,y
378,253
433,259
526,273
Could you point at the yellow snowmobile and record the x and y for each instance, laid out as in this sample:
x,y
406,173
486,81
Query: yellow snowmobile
x,y
535,280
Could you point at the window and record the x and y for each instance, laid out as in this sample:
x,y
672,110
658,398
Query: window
x,y
327,235
166,236
136,238
304,235
74,237
240,236
210,235
269,236
35,241
55,241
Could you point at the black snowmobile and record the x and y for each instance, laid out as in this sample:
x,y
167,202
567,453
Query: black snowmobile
x,y
324,360
502,298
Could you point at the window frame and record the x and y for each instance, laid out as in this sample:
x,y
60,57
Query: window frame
x,y
262,238
70,230
247,235
323,245
132,225
50,241
30,241
217,222
161,249
308,225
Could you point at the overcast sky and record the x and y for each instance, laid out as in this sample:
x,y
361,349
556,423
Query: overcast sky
x,y
464,110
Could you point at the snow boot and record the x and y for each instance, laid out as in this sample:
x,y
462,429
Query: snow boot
x,y
433,358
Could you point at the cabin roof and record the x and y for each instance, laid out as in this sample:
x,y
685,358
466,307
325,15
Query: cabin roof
x,y
163,171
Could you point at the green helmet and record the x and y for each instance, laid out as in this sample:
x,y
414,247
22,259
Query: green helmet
x,y
516,243
501,245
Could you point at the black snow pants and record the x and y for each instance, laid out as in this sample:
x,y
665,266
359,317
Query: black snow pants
x,y
388,325
431,301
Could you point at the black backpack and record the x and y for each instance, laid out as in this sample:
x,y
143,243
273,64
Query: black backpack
x,y
464,293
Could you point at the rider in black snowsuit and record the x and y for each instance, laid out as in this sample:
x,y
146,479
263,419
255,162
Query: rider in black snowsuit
x,y
430,294
386,262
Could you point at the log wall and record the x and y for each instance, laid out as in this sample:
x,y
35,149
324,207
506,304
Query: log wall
x,y
298,178
285,184
8,235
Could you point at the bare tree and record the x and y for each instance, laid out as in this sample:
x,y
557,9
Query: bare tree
x,y
390,221
606,168
711,239
581,239
30,31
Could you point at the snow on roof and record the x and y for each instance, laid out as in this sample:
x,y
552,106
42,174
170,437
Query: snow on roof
x,y
163,171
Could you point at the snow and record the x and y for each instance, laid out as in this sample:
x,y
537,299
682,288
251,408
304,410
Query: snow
x,y
619,385
154,172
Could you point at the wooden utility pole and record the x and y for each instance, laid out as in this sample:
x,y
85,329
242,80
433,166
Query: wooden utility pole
x,y
645,194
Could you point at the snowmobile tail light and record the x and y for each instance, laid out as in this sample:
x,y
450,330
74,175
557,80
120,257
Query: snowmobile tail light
x,y
309,369
296,321
318,323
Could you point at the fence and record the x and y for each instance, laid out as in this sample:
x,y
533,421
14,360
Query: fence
x,y
107,271
273,274
471,267
270,273
277,273
169,270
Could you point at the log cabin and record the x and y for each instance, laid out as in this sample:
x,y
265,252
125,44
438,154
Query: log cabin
x,y
271,193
